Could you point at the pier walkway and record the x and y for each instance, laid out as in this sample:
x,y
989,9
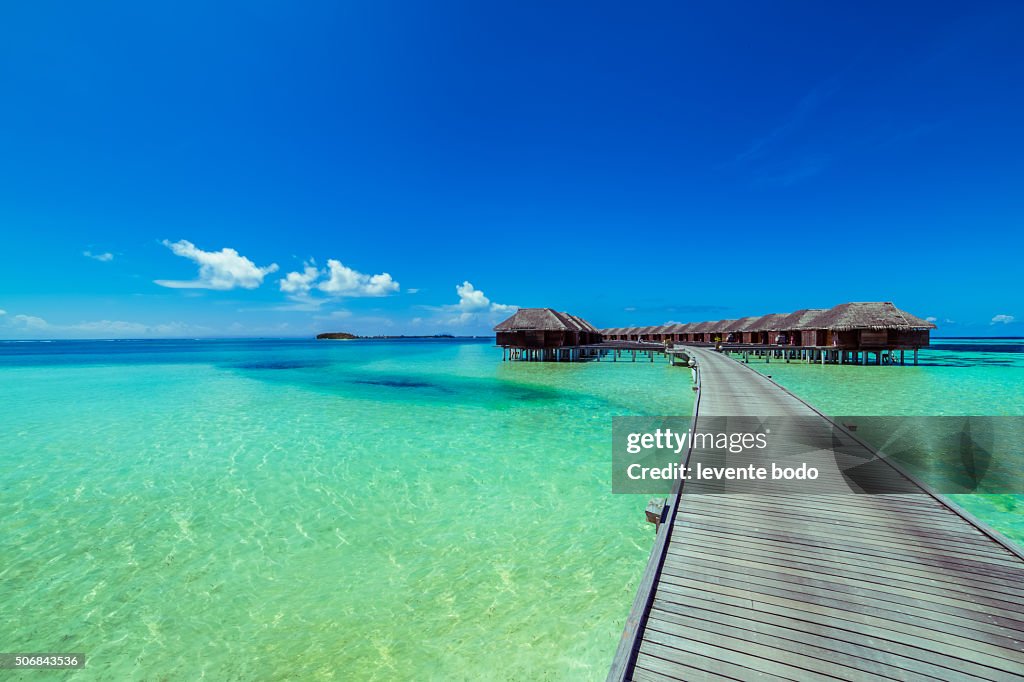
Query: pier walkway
x,y
818,587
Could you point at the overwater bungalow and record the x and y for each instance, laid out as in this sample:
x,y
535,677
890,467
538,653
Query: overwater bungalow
x,y
765,330
661,333
718,329
543,329
678,332
871,326
696,334
709,332
734,332
800,329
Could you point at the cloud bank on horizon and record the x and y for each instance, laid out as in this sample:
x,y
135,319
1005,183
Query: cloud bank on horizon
x,y
309,290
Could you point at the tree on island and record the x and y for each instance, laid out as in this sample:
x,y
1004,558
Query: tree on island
x,y
343,336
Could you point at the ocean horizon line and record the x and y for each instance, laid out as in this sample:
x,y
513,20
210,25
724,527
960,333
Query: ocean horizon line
x,y
304,337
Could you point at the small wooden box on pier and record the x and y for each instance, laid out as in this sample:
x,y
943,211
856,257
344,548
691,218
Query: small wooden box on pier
x,y
655,511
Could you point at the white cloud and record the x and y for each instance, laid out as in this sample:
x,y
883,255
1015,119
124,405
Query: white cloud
x,y
412,291
29,322
102,257
344,281
475,307
3,312
931,319
222,270
1003,319
300,282
337,281
471,300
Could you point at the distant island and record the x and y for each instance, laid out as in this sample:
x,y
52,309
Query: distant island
x,y
345,336
335,336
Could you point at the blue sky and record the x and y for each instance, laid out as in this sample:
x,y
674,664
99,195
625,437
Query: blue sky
x,y
204,169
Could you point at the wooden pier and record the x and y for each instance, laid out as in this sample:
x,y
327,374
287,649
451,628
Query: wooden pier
x,y
820,587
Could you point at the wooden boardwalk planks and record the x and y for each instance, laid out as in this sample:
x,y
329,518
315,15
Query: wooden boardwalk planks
x,y
828,586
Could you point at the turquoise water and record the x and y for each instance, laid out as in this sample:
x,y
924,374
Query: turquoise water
x,y
955,377
318,510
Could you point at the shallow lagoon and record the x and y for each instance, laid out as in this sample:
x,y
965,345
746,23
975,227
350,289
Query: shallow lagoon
x,y
241,509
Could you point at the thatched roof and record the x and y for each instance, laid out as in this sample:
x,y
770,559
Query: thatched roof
x,y
880,315
801,319
840,318
740,325
706,327
767,323
583,324
544,319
